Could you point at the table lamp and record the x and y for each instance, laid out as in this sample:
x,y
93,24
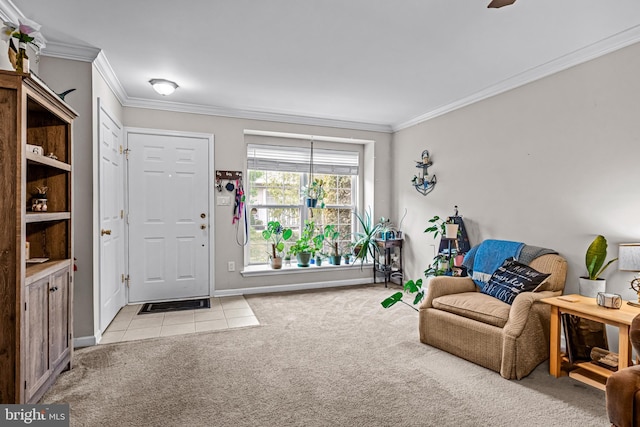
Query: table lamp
x,y
629,260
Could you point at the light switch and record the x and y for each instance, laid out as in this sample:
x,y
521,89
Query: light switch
x,y
223,200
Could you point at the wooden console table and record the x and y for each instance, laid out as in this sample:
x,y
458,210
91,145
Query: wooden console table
x,y
587,308
386,247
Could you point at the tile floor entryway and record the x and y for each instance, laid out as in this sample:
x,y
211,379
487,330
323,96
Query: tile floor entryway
x,y
225,313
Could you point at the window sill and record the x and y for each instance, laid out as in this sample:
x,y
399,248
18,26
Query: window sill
x,y
265,270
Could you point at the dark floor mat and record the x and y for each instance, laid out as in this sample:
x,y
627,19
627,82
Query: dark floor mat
x,y
164,307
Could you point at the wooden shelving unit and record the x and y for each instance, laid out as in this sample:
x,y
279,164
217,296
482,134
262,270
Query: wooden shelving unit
x,y
35,299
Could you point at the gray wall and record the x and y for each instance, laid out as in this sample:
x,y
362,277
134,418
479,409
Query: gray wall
x,y
60,75
552,163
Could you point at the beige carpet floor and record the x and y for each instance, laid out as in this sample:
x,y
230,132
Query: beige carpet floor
x,y
319,358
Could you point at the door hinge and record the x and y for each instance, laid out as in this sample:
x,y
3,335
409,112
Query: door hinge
x,y
25,384
121,214
126,153
25,306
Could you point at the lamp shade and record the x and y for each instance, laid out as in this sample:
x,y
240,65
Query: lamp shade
x,y
629,257
163,87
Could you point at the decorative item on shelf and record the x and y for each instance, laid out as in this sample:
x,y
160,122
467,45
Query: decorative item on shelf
x,y
590,285
25,32
5,62
65,93
629,260
39,200
36,149
606,300
422,182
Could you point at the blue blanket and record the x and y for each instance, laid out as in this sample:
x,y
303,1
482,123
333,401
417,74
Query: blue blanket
x,y
484,259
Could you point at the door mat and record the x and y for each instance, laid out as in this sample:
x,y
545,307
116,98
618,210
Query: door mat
x,y
164,307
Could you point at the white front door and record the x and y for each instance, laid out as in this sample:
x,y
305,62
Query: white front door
x,y
111,169
168,216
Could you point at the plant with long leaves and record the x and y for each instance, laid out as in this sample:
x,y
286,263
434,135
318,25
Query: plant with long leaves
x,y
410,287
364,243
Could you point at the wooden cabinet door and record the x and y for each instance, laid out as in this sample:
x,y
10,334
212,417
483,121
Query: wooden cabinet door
x,y
37,336
58,316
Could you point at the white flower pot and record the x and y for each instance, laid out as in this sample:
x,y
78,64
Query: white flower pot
x,y
590,288
5,64
451,231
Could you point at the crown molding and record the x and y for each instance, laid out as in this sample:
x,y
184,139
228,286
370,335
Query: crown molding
x,y
254,115
70,51
593,51
104,68
9,11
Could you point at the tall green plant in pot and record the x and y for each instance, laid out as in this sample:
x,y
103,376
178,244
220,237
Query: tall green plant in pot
x,y
331,237
365,239
591,284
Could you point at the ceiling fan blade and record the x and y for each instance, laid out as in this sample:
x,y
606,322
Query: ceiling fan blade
x,y
500,3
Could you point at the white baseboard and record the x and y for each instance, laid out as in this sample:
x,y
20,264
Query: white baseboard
x,y
293,287
87,341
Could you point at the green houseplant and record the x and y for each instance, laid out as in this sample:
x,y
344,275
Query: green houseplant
x,y
277,234
365,240
410,287
595,258
445,228
314,194
304,246
331,236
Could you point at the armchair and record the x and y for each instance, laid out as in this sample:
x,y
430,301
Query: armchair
x,y
623,388
509,339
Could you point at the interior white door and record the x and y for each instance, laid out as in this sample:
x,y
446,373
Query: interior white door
x,y
111,173
168,216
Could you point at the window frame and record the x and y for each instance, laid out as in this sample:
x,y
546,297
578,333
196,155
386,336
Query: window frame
x,y
356,191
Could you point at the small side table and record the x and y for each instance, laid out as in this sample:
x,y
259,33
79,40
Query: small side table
x,y
581,306
387,247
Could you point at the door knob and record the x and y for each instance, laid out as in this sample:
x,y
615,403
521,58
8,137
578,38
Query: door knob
x,y
203,215
203,226
103,232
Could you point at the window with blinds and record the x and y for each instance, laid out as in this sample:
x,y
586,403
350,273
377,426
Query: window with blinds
x,y
276,176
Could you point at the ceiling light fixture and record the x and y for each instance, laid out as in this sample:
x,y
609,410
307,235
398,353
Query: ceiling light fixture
x,y
163,87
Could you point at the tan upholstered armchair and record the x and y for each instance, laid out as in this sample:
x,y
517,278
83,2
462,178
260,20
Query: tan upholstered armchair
x,y
623,388
509,339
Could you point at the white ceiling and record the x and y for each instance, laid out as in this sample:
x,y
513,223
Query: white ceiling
x,y
364,64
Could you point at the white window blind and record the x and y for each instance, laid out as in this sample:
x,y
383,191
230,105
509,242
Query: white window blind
x,y
296,159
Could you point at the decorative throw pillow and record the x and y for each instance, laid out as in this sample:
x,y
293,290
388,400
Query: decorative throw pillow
x,y
512,278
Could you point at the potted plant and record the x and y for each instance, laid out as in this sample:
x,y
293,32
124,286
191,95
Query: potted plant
x,y
304,246
318,242
314,194
590,285
445,228
277,235
331,236
347,258
365,240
